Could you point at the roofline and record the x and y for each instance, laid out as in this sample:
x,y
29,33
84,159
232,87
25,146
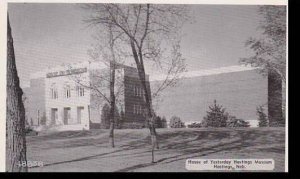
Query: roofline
x,y
206,72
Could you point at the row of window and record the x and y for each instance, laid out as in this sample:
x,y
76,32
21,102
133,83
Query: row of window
x,y
67,92
138,91
137,109
80,91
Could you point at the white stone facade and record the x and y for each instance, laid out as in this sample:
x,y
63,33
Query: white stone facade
x,y
66,101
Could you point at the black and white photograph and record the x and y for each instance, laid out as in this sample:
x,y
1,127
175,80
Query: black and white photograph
x,y
146,87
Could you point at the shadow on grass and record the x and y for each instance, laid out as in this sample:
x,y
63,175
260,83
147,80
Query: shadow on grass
x,y
187,145
245,139
80,159
217,148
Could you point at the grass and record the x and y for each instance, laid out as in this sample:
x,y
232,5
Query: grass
x,y
90,151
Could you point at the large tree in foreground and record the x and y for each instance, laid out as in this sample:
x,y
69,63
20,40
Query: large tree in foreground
x,y
147,32
270,56
15,113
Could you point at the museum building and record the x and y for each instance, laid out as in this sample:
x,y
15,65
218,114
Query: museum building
x,y
73,97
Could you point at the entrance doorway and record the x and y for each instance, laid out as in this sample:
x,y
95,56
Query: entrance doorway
x,y
54,115
79,114
67,115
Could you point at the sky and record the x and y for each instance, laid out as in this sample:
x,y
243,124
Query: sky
x,y
47,35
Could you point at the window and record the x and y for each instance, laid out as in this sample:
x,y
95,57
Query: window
x,y
67,92
143,95
80,91
142,92
137,109
135,90
53,92
138,91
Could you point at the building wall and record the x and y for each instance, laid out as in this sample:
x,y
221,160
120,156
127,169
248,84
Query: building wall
x,y
239,92
132,97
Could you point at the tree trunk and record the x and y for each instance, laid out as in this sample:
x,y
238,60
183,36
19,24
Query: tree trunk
x,y
150,116
112,104
16,142
111,134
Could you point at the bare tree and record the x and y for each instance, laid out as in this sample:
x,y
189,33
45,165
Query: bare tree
x,y
146,29
16,142
112,87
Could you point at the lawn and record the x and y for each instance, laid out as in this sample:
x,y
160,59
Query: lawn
x,y
89,151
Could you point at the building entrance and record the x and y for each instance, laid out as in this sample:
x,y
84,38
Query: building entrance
x,y
79,114
54,115
67,115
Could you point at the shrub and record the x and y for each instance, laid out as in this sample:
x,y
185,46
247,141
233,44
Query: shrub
x,y
175,122
105,114
234,122
29,131
160,122
157,122
216,116
164,122
195,125
121,119
105,117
